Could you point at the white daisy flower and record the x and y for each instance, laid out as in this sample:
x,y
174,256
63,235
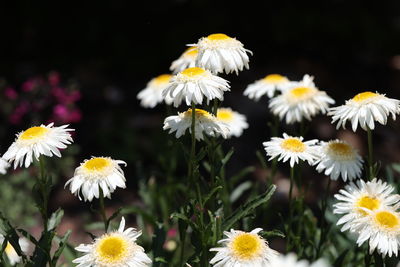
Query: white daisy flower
x,y
242,249
36,141
3,166
204,123
235,121
293,148
115,249
364,109
300,100
152,95
355,199
290,260
382,229
96,173
194,84
221,53
338,158
186,60
266,86
12,255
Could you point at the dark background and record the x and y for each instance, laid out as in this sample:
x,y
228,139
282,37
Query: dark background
x,y
113,48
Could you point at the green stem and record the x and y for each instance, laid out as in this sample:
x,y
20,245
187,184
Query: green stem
x,y
102,210
44,192
193,147
324,231
288,235
370,155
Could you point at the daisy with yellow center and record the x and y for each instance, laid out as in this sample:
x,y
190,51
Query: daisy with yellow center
x,y
242,249
381,228
3,166
220,53
302,100
364,109
338,158
186,60
290,260
36,141
235,121
115,249
267,86
193,85
152,95
204,123
356,199
292,149
12,255
96,173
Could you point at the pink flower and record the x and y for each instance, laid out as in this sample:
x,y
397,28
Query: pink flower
x,y
54,78
10,93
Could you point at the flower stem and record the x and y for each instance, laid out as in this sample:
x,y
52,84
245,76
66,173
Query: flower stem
x,y
192,158
288,234
324,231
44,192
102,210
370,155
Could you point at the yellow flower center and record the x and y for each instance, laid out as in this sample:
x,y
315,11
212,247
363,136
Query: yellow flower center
x,y
191,52
293,145
364,96
163,79
198,113
275,78
112,249
367,202
9,248
341,151
193,72
245,246
224,115
34,132
97,164
300,92
218,37
387,219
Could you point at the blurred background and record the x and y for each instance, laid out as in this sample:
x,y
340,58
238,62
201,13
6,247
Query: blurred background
x,y
84,64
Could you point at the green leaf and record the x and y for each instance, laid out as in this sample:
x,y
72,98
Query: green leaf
x,y
135,210
10,234
261,158
209,195
41,253
234,179
55,220
248,207
184,218
273,233
227,157
61,245
158,241
113,216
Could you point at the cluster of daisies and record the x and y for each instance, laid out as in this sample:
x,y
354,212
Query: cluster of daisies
x,y
195,81
95,176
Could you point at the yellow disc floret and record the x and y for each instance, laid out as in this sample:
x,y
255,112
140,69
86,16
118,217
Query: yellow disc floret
x,y
274,78
191,52
218,37
9,248
163,79
97,164
341,151
112,249
293,145
193,72
300,93
198,113
387,219
224,115
246,246
361,97
367,202
34,132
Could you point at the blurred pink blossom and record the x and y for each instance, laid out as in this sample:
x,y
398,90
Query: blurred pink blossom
x,y
10,93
